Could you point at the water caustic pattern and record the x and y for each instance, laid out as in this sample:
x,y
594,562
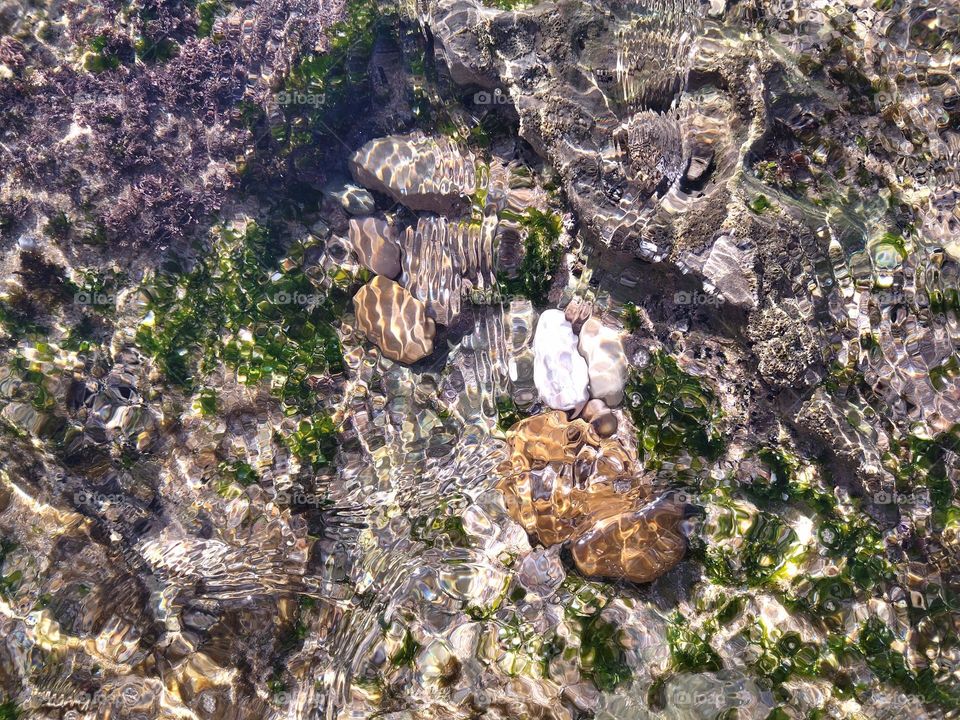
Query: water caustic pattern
x,y
485,359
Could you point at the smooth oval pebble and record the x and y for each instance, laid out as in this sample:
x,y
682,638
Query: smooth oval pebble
x,y
605,424
375,243
559,372
394,320
602,347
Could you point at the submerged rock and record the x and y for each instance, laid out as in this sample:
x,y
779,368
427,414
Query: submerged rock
x,y
375,243
444,260
394,320
603,421
563,482
638,546
559,372
355,200
602,348
577,312
423,173
541,572
560,472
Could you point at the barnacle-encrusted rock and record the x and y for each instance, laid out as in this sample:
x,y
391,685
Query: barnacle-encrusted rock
x,y
559,372
786,348
639,545
602,348
562,482
424,173
394,320
375,243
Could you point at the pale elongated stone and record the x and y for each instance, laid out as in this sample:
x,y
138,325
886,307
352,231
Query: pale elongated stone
x,y
394,320
375,243
602,348
559,372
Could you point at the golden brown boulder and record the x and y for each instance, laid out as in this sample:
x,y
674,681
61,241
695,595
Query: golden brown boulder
x,y
638,546
562,481
394,320
560,472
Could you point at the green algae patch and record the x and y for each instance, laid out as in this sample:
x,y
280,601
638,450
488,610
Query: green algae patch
x,y
690,649
17,319
321,84
631,317
235,307
674,413
759,204
9,710
509,4
876,645
99,58
407,653
239,472
207,13
760,552
508,414
541,256
602,656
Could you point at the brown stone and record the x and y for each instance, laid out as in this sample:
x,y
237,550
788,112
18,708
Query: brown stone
x,y
563,481
592,409
577,312
394,320
605,424
560,472
638,546
375,243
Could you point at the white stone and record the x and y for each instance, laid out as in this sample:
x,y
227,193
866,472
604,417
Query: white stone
x,y
559,372
602,348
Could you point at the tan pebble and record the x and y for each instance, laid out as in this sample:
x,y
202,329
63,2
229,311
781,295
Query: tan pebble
x,y
375,243
605,424
572,311
594,408
394,320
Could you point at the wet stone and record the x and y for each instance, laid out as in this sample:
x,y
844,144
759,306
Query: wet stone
x,y
355,200
563,482
394,320
375,243
559,372
602,347
541,572
424,173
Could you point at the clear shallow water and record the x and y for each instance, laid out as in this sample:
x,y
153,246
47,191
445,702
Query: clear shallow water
x,y
219,498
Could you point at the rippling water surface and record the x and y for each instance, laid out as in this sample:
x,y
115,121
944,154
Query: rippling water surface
x,y
469,359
